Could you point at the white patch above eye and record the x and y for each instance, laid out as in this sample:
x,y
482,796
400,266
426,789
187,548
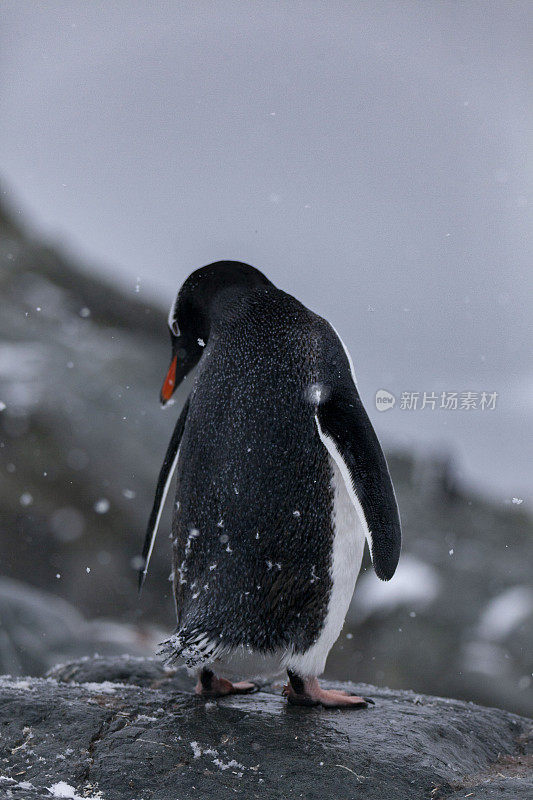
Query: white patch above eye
x,y
172,322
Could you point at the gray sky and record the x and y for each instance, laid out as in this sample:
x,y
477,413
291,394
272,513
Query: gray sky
x,y
371,158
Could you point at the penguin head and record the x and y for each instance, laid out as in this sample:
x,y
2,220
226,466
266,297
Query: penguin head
x,y
190,316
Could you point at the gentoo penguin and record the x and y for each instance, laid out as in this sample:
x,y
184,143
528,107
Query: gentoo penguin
x,y
280,478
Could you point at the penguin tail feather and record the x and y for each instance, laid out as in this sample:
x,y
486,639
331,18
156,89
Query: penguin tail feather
x,y
192,648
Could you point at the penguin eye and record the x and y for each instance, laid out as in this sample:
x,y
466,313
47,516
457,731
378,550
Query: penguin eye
x,y
174,327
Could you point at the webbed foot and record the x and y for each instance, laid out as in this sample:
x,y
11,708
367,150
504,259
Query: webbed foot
x,y
308,692
210,685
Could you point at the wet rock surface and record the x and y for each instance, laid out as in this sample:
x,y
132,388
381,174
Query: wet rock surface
x,y
127,729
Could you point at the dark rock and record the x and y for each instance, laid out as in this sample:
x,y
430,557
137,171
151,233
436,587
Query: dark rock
x,y
148,738
147,672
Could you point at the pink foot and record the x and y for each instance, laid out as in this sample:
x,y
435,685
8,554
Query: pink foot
x,y
307,692
209,685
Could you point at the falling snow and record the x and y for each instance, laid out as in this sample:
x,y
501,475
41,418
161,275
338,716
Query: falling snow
x,y
102,506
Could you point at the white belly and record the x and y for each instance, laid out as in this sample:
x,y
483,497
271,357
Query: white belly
x,y
348,546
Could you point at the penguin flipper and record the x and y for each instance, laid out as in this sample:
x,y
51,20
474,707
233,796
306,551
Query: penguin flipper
x,y
163,485
346,431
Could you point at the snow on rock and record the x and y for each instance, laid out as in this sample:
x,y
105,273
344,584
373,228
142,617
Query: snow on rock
x,y
62,789
196,749
105,687
220,764
24,685
210,751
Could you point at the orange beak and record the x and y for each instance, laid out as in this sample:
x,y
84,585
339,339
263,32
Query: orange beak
x,y
167,390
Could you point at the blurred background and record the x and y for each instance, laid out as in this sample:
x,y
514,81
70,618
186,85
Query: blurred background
x,y
371,159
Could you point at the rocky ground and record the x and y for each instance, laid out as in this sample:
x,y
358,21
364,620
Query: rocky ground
x,y
81,442
124,729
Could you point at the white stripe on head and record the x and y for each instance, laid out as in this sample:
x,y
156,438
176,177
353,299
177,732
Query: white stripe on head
x,y
172,321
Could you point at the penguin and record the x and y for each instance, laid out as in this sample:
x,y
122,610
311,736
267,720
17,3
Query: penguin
x,y
280,479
